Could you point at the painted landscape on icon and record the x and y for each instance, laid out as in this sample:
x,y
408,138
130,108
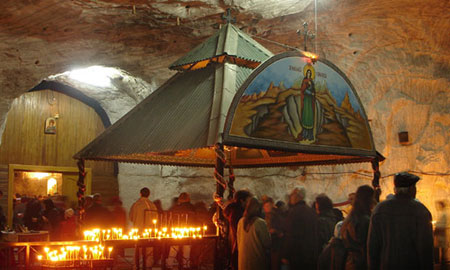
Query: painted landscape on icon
x,y
293,100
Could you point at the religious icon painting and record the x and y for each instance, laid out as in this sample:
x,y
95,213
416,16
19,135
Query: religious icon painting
x,y
296,100
50,125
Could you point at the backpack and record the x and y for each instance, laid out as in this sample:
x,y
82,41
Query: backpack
x,y
333,256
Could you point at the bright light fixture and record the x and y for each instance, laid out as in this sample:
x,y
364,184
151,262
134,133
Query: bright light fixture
x,y
37,175
95,75
52,187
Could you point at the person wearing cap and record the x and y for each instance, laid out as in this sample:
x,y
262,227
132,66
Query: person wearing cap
x,y
400,231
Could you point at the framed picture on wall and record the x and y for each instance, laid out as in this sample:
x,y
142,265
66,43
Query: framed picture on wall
x,y
50,125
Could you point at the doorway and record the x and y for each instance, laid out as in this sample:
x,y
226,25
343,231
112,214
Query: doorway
x,y
57,183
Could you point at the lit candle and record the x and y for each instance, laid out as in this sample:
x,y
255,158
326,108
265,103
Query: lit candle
x,y
154,226
46,249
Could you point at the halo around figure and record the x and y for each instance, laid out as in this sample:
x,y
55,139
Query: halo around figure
x,y
309,67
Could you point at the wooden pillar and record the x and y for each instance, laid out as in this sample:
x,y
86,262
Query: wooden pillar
x,y
376,178
231,179
219,169
221,244
81,186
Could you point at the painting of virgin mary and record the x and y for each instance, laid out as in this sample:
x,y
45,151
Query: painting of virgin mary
x,y
50,125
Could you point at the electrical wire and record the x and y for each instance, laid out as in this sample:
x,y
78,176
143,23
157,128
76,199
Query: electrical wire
x,y
315,26
276,43
315,47
384,176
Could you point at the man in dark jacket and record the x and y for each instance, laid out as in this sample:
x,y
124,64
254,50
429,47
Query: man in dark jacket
x,y
301,244
327,219
400,232
97,216
2,215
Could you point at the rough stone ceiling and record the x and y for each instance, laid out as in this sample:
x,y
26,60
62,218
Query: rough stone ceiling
x,y
141,37
371,41
117,92
395,52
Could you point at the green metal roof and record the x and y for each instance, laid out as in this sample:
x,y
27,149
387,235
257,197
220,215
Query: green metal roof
x,y
229,40
176,116
180,123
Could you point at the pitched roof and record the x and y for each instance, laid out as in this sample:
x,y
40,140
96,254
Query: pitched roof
x,y
228,43
181,121
176,116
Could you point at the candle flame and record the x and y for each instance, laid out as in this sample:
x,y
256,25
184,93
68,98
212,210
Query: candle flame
x,y
146,233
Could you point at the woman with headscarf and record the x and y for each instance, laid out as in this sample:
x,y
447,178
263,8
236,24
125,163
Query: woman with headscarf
x,y
253,239
69,225
356,227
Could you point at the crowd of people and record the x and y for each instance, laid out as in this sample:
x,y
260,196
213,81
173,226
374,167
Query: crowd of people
x,y
396,233
41,213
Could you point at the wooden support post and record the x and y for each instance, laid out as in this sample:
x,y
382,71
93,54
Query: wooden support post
x,y
220,189
81,187
219,169
27,256
136,257
144,257
376,178
231,179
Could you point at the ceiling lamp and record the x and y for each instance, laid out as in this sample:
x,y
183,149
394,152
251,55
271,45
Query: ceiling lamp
x,y
95,75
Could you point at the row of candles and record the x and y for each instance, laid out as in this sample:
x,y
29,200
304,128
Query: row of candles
x,y
77,253
150,233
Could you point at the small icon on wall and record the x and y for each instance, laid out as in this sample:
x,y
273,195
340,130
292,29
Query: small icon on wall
x,y
50,125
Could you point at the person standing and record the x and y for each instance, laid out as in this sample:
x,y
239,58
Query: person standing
x,y
143,211
2,215
142,214
301,243
119,213
233,213
53,217
97,215
348,207
253,239
33,218
400,231
184,210
274,223
327,219
356,227
442,231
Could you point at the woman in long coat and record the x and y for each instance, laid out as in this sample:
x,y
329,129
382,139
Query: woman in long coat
x,y
356,227
253,239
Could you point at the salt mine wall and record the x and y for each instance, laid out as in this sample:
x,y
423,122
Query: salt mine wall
x,y
395,52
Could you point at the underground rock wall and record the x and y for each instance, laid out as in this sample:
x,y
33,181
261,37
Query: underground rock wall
x,y
395,52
